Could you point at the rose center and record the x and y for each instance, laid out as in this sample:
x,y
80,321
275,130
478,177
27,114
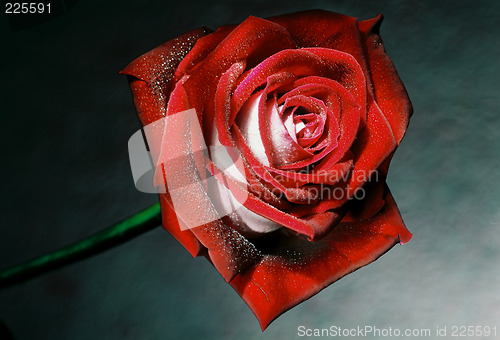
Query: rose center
x,y
304,127
285,131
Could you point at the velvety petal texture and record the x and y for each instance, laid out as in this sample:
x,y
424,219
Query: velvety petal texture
x,y
277,175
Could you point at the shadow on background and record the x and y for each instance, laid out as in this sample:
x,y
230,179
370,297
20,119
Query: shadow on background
x,y
5,334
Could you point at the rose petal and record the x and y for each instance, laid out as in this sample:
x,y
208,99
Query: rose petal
x,y
390,93
228,250
348,125
156,69
305,62
346,70
374,192
171,223
252,41
279,145
248,122
203,47
319,28
295,269
374,145
319,117
330,176
314,226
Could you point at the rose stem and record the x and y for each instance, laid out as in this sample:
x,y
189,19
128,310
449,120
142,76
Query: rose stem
x,y
114,235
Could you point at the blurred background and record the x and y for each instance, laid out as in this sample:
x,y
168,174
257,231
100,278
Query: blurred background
x,y
67,116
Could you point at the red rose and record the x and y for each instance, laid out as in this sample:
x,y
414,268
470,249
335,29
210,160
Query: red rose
x,y
308,110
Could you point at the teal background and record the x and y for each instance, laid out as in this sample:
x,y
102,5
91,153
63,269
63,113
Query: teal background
x,y
66,119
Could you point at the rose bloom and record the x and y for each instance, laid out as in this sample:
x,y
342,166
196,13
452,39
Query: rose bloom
x,y
271,141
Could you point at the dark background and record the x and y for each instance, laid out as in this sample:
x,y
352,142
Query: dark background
x,y
66,119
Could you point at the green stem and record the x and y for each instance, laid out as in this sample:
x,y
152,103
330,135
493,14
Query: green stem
x,y
114,235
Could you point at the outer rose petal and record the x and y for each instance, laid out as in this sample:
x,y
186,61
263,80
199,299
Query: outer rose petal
x,y
318,28
374,145
152,75
171,223
296,269
150,78
204,46
390,93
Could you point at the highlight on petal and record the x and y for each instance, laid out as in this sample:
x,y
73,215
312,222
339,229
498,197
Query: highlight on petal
x,y
248,123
